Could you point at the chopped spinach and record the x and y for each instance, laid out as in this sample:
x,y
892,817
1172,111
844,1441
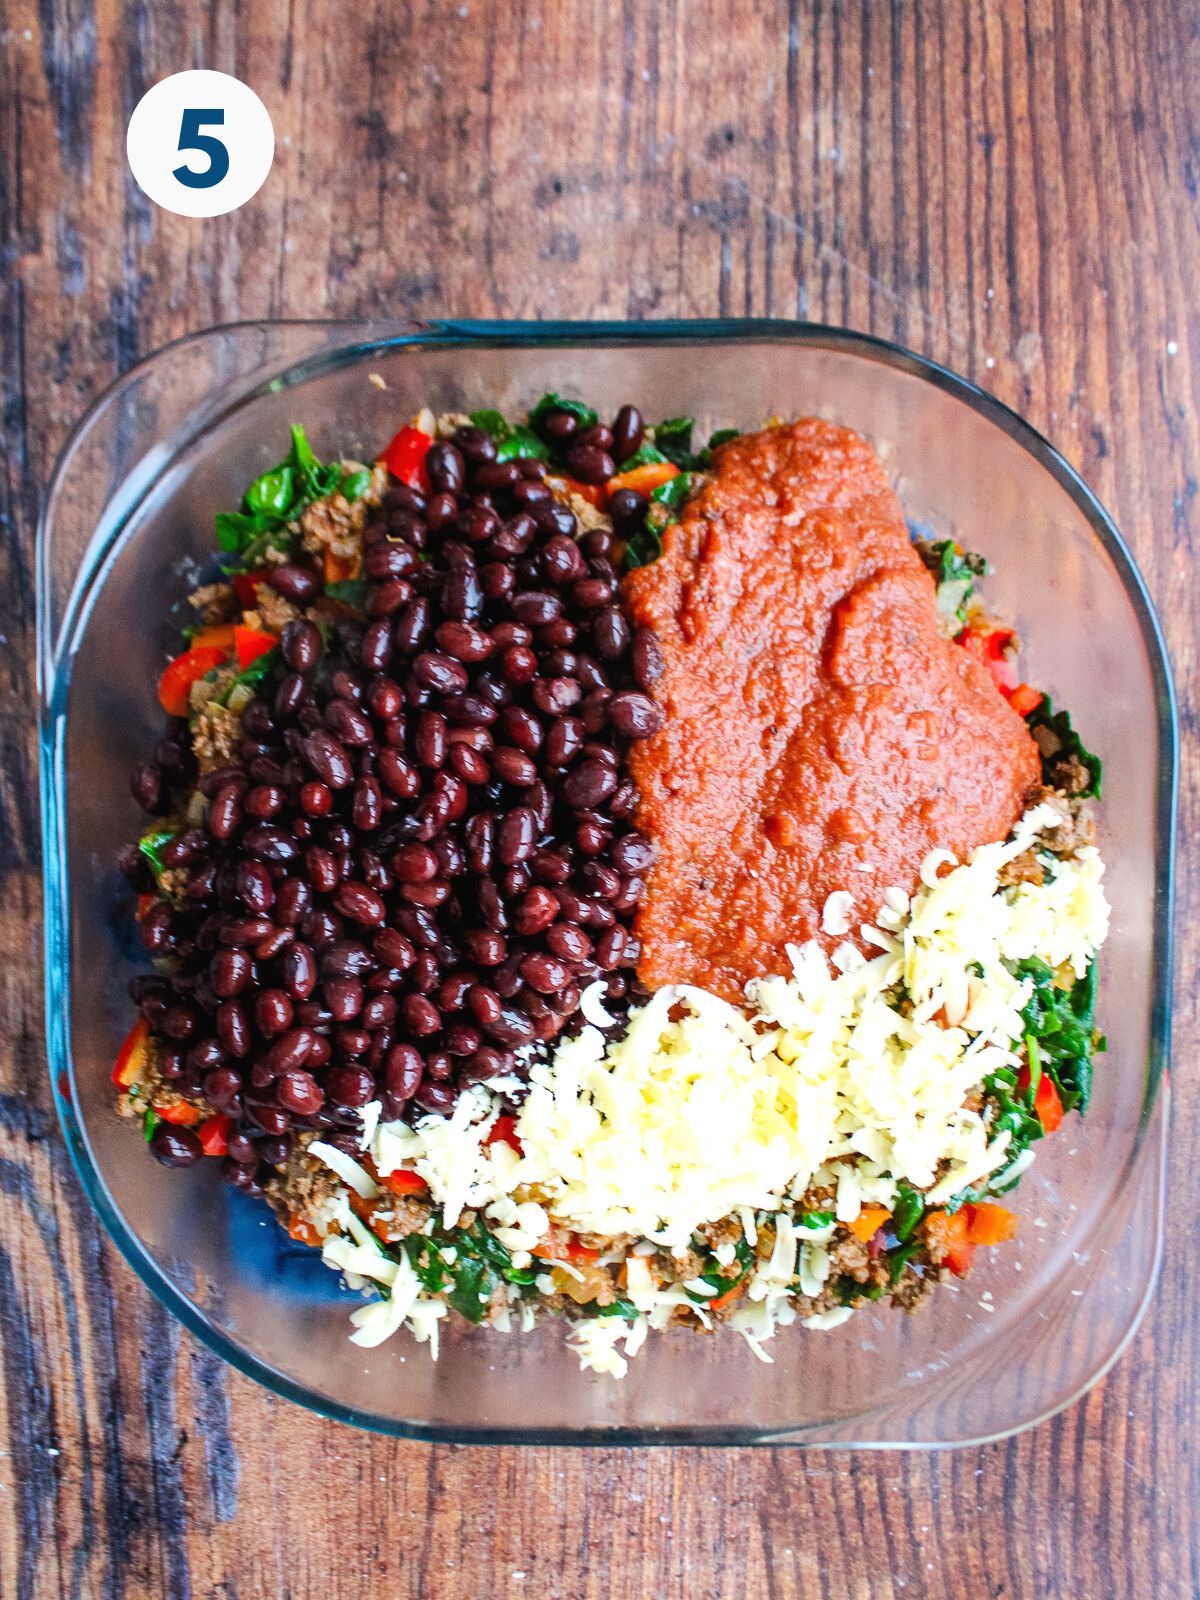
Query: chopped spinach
x,y
475,1282
521,442
1068,744
250,677
355,484
814,1221
511,442
1061,1026
722,436
150,844
644,456
493,423
150,1124
673,493
643,547
350,591
899,1258
277,497
617,1308
674,439
908,1210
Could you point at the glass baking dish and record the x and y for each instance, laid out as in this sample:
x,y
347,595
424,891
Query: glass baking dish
x,y
130,507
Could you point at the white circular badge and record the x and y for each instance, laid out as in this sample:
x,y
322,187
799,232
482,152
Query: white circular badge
x,y
200,143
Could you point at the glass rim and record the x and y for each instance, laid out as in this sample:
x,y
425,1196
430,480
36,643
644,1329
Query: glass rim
x,y
53,671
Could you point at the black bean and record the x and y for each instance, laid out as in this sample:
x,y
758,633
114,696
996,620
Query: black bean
x,y
590,463
146,786
556,695
232,1028
516,836
403,1071
626,507
272,1013
441,672
294,582
174,1146
345,958
229,972
648,664
513,766
328,759
635,715
627,432
394,559
300,644
360,904
225,811
298,971
535,913
351,1086
589,784
290,695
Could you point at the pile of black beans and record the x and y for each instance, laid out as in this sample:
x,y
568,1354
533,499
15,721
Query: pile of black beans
x,y
425,849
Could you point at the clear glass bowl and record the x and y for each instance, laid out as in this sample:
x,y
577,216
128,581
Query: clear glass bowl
x,y
132,503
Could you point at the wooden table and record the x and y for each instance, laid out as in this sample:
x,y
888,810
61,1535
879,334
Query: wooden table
x,y
1011,189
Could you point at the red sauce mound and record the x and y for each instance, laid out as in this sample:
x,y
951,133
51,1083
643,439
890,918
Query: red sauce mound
x,y
820,733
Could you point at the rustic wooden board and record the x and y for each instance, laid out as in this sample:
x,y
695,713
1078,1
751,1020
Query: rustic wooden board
x,y
1010,188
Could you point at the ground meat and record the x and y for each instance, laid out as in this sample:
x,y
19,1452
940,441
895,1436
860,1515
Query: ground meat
x,y
215,737
678,1269
173,881
912,1289
716,1234
850,1257
589,516
302,1185
450,422
274,612
336,523
397,1218
1076,826
1025,869
215,603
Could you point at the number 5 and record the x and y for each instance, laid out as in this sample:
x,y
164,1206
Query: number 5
x,y
190,138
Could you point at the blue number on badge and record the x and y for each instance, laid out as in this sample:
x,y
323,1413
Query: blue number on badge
x,y
190,138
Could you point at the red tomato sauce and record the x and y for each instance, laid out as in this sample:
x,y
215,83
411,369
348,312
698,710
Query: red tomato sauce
x,y
820,732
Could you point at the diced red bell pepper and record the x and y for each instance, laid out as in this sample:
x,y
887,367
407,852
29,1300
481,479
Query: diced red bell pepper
x,y
183,1115
217,636
339,569
988,645
250,644
989,1224
595,493
1047,1102
244,585
504,1131
953,1235
303,1231
1025,698
175,685
213,1134
133,1055
144,902
643,480
569,1250
404,1182
729,1296
405,458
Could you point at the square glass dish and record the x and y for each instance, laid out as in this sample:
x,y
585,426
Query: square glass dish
x,y
131,508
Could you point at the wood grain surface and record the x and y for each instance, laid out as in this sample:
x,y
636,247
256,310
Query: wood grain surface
x,y
1011,188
